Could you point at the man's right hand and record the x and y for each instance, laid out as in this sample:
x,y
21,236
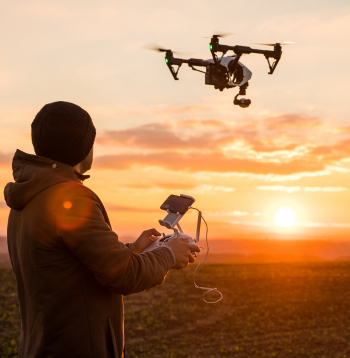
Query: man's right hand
x,y
182,251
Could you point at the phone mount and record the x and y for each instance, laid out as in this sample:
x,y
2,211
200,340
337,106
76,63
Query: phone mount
x,y
173,218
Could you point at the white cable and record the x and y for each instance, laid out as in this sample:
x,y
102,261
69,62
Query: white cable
x,y
207,289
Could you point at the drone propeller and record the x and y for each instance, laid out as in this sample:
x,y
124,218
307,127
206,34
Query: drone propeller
x,y
222,34
281,44
155,47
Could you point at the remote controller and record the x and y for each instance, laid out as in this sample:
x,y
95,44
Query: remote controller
x,y
166,238
176,207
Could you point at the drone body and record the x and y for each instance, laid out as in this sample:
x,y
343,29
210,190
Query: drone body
x,y
240,77
225,72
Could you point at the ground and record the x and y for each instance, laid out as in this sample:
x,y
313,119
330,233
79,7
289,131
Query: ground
x,y
268,310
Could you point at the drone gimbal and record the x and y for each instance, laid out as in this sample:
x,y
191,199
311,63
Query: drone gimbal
x,y
225,72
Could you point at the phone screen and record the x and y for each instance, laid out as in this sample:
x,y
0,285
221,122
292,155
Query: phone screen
x,y
177,204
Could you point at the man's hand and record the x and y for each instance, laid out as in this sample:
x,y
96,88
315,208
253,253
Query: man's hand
x,y
145,239
182,251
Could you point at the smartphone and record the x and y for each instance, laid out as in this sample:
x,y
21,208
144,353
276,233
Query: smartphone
x,y
177,204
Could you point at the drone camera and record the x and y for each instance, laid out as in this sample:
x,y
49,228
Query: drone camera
x,y
216,76
243,102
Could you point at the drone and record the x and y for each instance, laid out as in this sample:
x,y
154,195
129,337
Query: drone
x,y
225,71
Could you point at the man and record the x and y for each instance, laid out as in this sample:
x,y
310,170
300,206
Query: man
x,y
71,269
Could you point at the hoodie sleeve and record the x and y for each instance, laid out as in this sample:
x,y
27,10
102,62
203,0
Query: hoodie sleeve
x,y
82,227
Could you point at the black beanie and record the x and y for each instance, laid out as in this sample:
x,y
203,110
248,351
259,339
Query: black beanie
x,y
64,132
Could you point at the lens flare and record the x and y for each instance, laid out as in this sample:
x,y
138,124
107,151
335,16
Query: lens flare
x,y
67,204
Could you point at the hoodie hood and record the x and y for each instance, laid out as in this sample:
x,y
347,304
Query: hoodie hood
x,y
33,174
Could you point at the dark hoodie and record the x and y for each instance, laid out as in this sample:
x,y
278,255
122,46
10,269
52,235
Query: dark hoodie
x,y
71,269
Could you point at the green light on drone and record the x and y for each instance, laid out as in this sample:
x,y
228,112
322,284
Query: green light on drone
x,y
211,46
166,60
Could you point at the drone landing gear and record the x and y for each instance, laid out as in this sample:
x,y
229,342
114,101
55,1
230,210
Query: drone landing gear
x,y
243,102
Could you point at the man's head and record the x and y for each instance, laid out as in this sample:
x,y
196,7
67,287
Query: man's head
x,y
64,132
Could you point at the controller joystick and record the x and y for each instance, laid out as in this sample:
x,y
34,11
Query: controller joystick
x,y
166,238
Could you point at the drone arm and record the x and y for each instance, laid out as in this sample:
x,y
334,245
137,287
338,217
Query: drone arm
x,y
170,61
195,69
173,72
197,62
273,66
239,50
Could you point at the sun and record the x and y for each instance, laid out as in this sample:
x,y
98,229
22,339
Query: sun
x,y
285,217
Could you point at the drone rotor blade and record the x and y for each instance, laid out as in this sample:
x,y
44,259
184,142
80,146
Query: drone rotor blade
x,y
221,34
224,34
281,44
155,47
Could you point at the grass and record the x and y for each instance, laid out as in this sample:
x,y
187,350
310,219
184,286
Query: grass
x,y
268,310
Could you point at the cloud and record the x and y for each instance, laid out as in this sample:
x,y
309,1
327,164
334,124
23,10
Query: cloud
x,y
111,207
3,205
307,224
181,109
265,177
155,136
292,189
210,134
286,189
210,188
5,159
291,121
333,152
268,146
160,185
200,123
259,147
325,189
319,224
248,223
226,213
202,162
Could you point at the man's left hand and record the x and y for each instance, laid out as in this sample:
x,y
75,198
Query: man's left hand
x,y
145,239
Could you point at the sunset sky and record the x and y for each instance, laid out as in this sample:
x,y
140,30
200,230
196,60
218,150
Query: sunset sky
x,y
155,136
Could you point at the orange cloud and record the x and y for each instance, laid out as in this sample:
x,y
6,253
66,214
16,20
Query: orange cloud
x,y
209,162
162,185
156,136
213,134
129,209
270,146
180,109
257,147
291,121
333,152
194,123
6,159
201,134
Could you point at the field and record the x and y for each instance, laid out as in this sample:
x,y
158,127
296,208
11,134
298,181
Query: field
x,y
269,310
